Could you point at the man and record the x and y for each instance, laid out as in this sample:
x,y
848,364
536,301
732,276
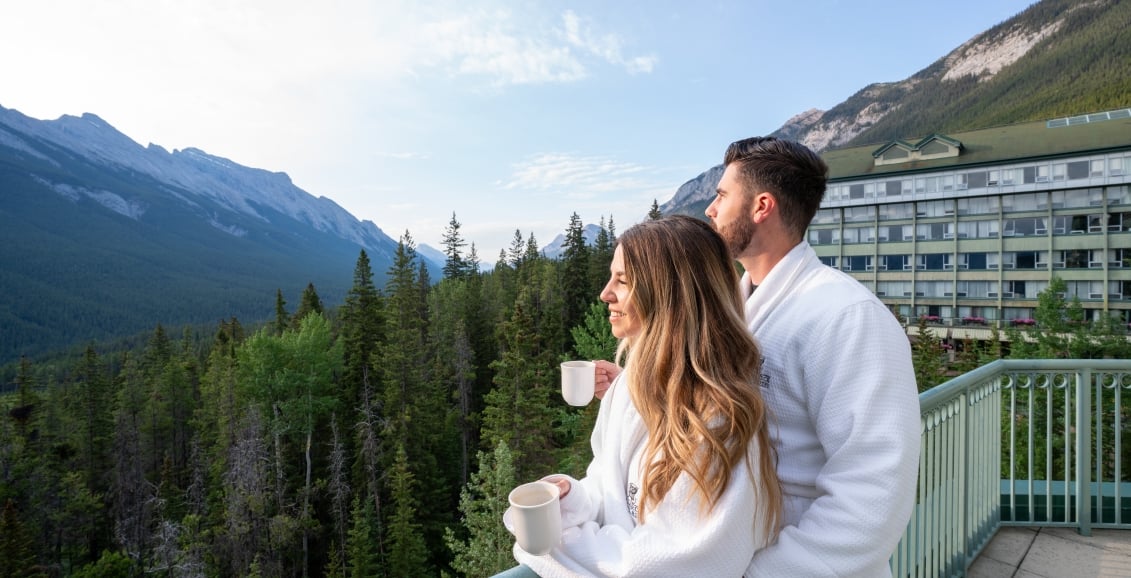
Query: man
x,y
836,372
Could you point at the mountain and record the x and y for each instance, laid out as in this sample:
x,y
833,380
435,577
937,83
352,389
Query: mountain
x,y
556,248
101,237
1057,58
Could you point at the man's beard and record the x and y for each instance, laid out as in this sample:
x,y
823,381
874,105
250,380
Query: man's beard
x,y
739,232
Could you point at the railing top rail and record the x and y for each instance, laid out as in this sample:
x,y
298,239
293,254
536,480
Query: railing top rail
x,y
944,392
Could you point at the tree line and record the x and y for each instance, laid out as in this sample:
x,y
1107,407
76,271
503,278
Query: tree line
x,y
376,438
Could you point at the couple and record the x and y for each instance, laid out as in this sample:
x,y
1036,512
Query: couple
x,y
698,472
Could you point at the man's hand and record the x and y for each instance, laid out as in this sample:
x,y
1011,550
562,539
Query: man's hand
x,y
606,373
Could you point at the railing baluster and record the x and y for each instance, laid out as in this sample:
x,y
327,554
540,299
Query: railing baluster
x,y
1083,466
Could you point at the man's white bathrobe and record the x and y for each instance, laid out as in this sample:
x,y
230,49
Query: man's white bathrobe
x,y
837,376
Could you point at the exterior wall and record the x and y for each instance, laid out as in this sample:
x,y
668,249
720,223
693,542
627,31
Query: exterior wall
x,y
975,245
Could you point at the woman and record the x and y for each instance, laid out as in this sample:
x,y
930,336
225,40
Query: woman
x,y
682,480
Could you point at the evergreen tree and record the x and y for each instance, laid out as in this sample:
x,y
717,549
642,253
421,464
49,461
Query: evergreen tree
x,y
310,303
455,266
17,551
517,250
483,546
575,273
408,555
654,213
927,356
599,260
282,319
364,561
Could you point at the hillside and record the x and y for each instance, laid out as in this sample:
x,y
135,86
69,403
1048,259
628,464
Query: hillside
x,y
101,237
1057,58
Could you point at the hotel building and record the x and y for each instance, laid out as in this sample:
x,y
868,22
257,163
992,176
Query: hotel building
x,y
967,228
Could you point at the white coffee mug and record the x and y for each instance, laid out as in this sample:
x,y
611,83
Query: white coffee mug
x,y
536,517
577,381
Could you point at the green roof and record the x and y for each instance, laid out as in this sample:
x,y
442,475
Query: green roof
x,y
1011,143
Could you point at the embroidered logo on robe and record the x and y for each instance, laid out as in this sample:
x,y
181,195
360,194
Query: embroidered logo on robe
x,y
632,491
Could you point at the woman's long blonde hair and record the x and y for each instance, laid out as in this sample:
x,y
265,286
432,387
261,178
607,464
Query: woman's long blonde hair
x,y
693,370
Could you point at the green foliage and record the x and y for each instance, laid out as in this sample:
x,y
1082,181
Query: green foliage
x,y
927,355
109,565
482,546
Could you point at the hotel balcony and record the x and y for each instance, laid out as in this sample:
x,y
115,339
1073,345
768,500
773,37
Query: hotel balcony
x,y
1023,473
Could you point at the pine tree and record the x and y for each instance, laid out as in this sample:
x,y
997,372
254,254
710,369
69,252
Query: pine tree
x,y
310,303
17,551
364,561
654,213
575,273
282,320
927,357
408,555
483,546
455,266
599,260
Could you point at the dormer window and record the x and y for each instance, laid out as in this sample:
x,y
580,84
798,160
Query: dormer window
x,y
935,146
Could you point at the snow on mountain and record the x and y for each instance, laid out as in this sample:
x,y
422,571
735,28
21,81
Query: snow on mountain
x,y
556,247
248,191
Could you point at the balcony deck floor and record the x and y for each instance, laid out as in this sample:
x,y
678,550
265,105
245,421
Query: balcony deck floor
x,y
1054,553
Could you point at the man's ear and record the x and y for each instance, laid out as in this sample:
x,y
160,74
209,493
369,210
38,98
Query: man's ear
x,y
763,206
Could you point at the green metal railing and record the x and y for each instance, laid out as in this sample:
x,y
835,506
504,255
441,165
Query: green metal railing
x,y
1017,443
1013,443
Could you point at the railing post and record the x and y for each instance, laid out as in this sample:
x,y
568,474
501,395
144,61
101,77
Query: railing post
x,y
1083,452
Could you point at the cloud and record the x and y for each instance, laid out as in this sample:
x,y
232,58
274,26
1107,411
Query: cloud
x,y
605,46
579,177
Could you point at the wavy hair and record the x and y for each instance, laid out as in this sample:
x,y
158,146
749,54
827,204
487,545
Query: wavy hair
x,y
693,368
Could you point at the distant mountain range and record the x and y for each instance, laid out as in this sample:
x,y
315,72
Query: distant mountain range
x,y
1057,58
101,237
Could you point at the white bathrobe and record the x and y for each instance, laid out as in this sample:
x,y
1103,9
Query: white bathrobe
x,y
837,376
602,536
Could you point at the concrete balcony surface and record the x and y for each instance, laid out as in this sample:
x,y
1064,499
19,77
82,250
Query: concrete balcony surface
x,y
1054,553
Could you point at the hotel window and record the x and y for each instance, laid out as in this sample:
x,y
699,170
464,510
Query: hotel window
x,y
1025,227
856,191
1120,258
934,231
895,262
1077,170
975,289
824,236
933,288
1070,225
833,193
1119,289
1043,174
889,189
859,235
857,263
1024,289
828,261
1072,259
1085,290
947,183
893,288
1097,168
933,261
870,190
978,206
893,233
1025,260
1059,171
1119,195
826,217
1024,202
897,211
978,229
1011,176
1071,199
1118,222
934,208
859,214
977,261
977,180
1116,166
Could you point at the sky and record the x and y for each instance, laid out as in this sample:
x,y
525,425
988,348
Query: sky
x,y
508,114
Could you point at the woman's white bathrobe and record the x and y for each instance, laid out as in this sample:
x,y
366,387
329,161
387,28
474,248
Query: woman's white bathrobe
x,y
837,376
602,536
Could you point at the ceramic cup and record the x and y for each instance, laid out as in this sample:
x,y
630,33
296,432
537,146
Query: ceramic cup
x,y
577,382
536,517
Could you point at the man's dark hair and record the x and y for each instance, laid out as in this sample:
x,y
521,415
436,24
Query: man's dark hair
x,y
789,170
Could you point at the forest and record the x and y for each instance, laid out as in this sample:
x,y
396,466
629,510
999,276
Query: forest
x,y
377,438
